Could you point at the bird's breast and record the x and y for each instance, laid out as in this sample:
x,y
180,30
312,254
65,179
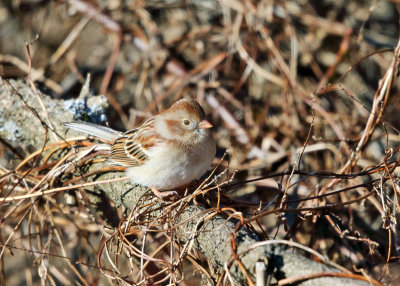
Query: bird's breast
x,y
170,167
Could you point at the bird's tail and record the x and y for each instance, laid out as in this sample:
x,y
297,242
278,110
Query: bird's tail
x,y
95,130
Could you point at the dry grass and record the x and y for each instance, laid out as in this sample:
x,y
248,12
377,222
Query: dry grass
x,y
304,97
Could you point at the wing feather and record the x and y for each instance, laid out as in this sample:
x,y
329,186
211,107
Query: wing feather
x,y
131,149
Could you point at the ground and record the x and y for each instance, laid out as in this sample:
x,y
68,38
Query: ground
x,y
303,96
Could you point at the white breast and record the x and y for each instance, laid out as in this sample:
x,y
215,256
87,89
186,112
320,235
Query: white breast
x,y
168,168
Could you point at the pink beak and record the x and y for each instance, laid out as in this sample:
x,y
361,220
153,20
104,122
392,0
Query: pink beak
x,y
205,124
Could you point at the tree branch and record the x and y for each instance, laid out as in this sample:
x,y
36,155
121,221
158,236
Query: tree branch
x,y
22,127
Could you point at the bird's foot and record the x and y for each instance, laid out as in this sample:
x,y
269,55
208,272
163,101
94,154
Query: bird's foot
x,y
163,194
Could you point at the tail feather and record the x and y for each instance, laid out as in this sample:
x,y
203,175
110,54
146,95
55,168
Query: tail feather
x,y
95,130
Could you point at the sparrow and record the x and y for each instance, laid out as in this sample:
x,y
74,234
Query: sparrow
x,y
169,151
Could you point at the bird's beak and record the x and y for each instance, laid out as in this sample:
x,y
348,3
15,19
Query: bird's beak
x,y
205,124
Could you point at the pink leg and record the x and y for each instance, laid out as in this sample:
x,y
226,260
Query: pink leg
x,y
163,194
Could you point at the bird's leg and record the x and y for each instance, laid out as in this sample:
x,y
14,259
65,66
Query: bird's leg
x,y
164,194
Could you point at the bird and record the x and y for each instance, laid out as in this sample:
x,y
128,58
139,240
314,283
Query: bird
x,y
168,151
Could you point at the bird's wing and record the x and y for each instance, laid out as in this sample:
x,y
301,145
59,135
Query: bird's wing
x,y
132,148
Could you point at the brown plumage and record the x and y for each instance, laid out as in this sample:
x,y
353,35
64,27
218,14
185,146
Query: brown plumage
x,y
132,147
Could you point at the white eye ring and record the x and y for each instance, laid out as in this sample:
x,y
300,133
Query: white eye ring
x,y
186,122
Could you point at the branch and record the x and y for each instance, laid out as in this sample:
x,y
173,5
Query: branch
x,y
22,127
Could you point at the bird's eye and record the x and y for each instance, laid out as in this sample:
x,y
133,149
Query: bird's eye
x,y
186,122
